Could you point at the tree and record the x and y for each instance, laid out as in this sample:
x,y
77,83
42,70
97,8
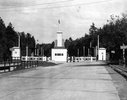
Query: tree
x,y
9,38
12,40
3,40
30,42
12,36
92,29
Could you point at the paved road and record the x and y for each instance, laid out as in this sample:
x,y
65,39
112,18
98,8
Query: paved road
x,y
72,81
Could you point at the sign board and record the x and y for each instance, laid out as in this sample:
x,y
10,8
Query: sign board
x,y
123,47
112,51
15,52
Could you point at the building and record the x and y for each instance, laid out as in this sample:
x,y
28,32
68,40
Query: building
x,y
15,52
59,52
102,54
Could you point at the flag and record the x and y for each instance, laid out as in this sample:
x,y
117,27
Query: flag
x,y
37,41
59,21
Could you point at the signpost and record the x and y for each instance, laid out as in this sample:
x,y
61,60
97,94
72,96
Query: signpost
x,y
123,47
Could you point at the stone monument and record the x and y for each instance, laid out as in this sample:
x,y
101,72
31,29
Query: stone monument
x,y
59,52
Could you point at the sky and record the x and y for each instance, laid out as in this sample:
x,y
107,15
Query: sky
x,y
40,17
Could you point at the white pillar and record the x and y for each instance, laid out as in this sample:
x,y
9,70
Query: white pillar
x,y
91,59
59,39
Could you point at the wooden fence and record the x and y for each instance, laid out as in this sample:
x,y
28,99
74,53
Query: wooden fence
x,y
18,65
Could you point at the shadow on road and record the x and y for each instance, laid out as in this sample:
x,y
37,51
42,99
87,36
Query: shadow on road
x,y
90,65
46,64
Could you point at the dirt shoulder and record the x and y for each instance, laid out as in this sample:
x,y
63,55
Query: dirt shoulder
x,y
120,83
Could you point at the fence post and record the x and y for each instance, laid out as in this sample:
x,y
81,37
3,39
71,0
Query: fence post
x,y
91,59
9,66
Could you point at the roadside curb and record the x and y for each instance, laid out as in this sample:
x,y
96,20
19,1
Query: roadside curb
x,y
120,70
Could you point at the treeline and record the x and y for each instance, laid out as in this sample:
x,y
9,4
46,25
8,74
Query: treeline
x,y
9,38
45,49
111,36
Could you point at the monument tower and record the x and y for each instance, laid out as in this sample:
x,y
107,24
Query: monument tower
x,y
59,52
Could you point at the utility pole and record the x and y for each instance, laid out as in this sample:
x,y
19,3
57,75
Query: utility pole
x,y
96,51
97,47
98,41
18,40
90,44
27,50
78,52
84,51
35,48
19,45
37,51
88,51
41,51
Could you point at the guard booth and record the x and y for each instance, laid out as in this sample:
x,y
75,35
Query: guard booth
x,y
102,54
59,54
15,53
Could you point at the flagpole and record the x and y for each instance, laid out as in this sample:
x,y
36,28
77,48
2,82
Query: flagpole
x,y
97,47
58,25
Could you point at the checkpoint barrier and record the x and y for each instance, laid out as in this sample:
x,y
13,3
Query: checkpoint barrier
x,y
79,59
31,58
89,58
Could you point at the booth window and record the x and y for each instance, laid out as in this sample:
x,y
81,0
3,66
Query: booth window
x,y
58,54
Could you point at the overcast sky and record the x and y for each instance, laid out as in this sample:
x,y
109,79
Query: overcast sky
x,y
40,17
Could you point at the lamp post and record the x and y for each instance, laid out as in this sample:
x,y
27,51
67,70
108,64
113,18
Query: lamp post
x,y
19,45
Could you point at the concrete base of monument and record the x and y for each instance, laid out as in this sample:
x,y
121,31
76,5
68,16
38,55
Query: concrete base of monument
x,y
59,55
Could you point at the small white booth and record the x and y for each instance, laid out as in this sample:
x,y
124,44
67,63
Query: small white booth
x,y
15,52
59,53
102,54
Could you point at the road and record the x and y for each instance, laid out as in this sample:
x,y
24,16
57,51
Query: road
x,y
70,81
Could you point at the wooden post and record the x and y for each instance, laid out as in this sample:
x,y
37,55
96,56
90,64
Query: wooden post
x,y
124,47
